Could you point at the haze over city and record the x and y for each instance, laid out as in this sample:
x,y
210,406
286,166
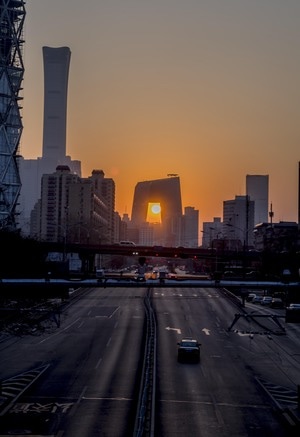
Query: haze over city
x,y
208,90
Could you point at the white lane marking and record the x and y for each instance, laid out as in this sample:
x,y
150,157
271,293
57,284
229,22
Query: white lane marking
x,y
173,329
109,399
98,363
206,331
74,408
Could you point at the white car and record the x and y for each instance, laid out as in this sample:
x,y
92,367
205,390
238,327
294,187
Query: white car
x,y
257,299
250,297
294,306
266,300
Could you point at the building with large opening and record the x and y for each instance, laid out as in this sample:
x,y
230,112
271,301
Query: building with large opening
x,y
159,202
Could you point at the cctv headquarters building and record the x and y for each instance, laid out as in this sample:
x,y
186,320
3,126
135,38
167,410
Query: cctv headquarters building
x,y
158,202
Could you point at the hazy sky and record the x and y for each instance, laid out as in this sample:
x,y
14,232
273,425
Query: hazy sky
x,y
207,89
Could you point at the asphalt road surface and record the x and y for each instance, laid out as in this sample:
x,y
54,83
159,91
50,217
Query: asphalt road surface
x,y
80,377
225,394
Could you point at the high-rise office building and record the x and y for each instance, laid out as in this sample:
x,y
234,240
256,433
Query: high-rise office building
x,y
54,221
190,228
105,189
211,231
73,208
257,188
12,17
238,220
163,196
56,72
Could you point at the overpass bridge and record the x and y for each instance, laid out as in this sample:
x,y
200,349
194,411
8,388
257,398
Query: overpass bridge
x,y
131,250
54,286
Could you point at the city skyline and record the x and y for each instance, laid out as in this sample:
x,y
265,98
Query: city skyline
x,y
205,90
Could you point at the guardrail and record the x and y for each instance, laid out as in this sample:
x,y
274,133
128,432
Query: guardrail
x,y
145,417
7,283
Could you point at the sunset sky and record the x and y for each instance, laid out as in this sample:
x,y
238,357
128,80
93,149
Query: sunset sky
x,y
206,89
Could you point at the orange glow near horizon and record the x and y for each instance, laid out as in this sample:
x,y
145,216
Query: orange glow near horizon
x,y
154,212
210,95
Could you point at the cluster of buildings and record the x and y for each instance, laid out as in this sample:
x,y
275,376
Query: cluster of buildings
x,y
248,223
47,199
54,202
82,210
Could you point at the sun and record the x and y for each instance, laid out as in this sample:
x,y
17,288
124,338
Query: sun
x,y
155,208
153,212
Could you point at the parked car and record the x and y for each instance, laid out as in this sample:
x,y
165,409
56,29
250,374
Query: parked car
x,y
257,299
250,297
188,350
293,313
294,307
266,300
252,275
277,302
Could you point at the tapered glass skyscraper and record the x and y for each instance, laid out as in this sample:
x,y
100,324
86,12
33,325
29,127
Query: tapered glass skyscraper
x,y
56,74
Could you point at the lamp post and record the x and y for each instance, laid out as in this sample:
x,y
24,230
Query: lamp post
x,y
244,232
213,235
87,232
65,231
64,239
245,242
102,238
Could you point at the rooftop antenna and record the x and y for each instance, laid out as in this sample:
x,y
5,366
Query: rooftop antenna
x,y
271,214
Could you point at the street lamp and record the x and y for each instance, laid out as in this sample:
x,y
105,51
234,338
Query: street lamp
x,y
244,232
245,242
57,226
65,231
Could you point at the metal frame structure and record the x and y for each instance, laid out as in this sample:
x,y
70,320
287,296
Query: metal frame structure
x,y
12,17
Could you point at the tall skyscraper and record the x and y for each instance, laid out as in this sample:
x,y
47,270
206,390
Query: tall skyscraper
x,y
257,188
12,17
56,72
164,196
